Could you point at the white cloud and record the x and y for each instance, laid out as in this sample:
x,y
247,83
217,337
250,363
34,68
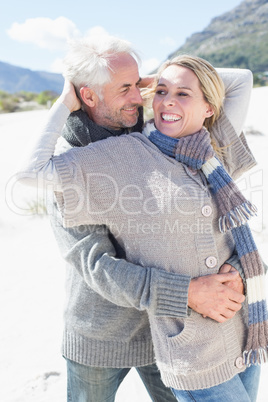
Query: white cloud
x,y
149,65
96,31
168,41
44,32
57,66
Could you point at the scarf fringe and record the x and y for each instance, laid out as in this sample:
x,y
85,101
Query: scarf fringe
x,y
237,216
256,357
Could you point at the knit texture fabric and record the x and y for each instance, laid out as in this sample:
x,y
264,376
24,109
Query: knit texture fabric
x,y
196,152
155,229
80,130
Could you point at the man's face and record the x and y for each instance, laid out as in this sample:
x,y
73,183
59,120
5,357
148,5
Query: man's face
x,y
121,97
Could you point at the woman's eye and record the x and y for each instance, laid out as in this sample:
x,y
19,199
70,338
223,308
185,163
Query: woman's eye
x,y
182,94
160,92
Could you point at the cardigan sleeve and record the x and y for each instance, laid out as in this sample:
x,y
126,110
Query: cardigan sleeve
x,y
38,168
238,86
237,157
90,250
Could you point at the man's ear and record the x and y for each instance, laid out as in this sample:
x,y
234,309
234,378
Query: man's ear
x,y
88,96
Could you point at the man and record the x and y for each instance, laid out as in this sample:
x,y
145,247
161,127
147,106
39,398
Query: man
x,y
106,326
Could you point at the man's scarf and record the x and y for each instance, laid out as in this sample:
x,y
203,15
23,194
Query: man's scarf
x,y
79,130
196,152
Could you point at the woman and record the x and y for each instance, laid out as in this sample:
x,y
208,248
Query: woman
x,y
162,199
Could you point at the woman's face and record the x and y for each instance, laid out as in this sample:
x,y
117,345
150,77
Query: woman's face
x,y
179,105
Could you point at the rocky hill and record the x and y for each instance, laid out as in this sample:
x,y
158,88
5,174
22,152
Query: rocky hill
x,y
14,79
238,38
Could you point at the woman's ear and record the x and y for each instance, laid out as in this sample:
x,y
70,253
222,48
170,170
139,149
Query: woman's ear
x,y
209,111
88,96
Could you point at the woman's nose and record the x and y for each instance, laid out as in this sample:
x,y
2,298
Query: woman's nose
x,y
168,100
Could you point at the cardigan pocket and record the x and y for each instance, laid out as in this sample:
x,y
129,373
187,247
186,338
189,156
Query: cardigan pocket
x,y
180,342
199,346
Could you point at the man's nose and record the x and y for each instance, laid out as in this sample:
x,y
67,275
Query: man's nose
x,y
136,96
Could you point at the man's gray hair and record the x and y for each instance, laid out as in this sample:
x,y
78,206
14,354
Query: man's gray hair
x,y
88,61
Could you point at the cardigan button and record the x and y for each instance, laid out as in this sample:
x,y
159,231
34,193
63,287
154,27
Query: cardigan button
x,y
206,210
239,362
211,262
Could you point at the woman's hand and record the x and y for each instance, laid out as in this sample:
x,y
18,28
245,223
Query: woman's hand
x,y
236,284
68,97
213,297
147,81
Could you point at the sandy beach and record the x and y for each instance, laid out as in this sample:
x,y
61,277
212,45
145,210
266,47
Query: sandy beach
x,y
32,272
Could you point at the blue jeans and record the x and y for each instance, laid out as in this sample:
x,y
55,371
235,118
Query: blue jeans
x,y
241,388
98,384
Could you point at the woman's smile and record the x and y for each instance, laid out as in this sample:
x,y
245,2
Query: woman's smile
x,y
170,117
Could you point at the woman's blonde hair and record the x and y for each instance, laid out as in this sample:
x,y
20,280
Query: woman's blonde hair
x,y
211,83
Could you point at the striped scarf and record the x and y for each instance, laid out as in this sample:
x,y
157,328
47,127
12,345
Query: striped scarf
x,y
196,152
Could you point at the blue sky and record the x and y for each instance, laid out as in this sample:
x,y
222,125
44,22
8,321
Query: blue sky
x,y
34,34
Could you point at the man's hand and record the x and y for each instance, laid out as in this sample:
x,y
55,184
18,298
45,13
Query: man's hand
x,y
211,297
237,284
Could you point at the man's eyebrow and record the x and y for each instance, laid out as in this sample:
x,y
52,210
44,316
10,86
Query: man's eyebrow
x,y
125,86
129,85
